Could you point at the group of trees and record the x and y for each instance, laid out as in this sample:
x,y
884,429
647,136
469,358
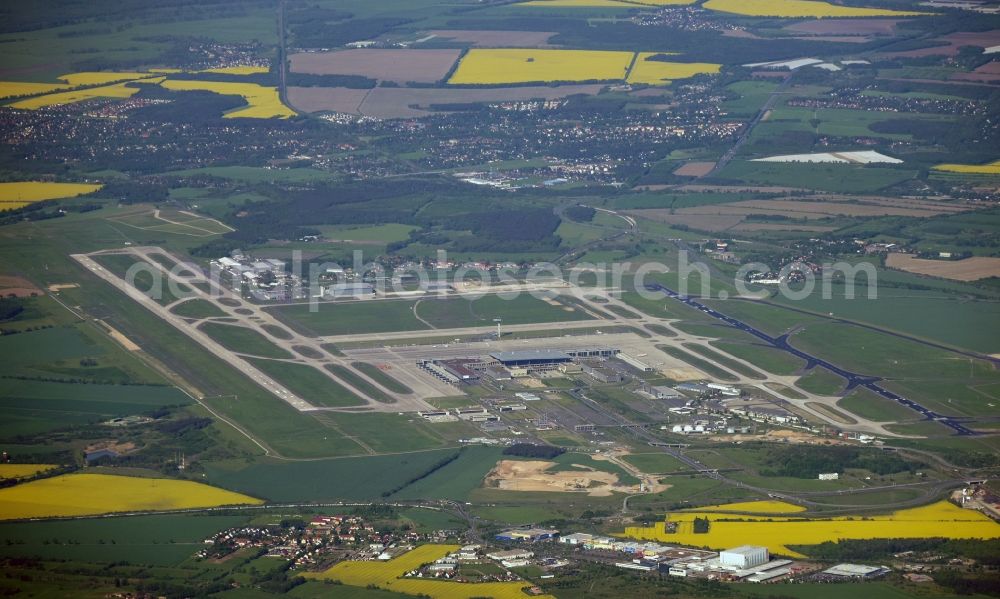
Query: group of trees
x,y
809,462
530,450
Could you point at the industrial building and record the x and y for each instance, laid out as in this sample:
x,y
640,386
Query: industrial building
x,y
744,556
342,290
662,392
856,571
527,534
544,358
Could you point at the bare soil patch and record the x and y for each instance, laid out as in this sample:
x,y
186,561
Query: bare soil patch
x,y
332,99
845,26
749,227
390,64
399,102
389,102
969,269
534,475
695,169
954,41
987,72
18,287
809,209
845,39
703,222
497,39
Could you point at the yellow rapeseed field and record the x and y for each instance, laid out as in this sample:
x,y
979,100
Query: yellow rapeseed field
x,y
658,72
102,77
23,470
800,9
990,168
264,102
237,70
14,89
754,507
941,519
20,194
91,494
386,575
663,2
118,90
576,3
516,65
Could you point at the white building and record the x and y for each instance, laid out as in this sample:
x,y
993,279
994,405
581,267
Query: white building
x,y
829,476
744,556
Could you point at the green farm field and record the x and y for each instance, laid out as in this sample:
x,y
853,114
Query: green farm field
x,y
152,540
842,178
352,478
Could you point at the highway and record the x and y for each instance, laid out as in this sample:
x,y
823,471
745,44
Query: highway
x,y
931,488
853,379
745,135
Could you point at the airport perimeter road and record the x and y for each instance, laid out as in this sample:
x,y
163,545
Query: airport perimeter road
x,y
194,333
309,351
853,379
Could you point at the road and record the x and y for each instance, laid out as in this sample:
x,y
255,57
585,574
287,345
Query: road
x,y
282,57
308,351
932,488
745,135
853,379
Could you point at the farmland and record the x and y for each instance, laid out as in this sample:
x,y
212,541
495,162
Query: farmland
x,y
391,102
658,72
263,102
23,470
386,575
118,90
510,65
753,507
49,388
91,494
941,519
14,89
992,168
398,65
349,478
969,269
22,193
800,9
158,540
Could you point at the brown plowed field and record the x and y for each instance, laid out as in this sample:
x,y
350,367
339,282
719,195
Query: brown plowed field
x,y
401,102
695,169
845,27
982,39
389,64
497,39
969,269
